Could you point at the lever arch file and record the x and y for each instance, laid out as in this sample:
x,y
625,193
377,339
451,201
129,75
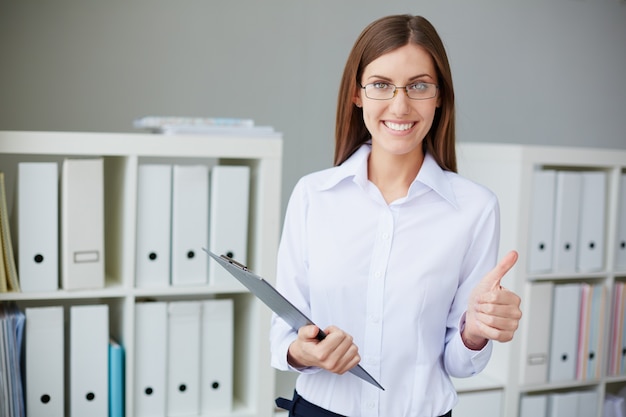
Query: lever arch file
x,y
183,358
228,217
154,209
150,385
44,350
89,360
217,357
82,224
190,224
541,236
37,226
590,255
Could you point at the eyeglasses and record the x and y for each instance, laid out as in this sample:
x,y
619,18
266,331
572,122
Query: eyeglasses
x,y
387,91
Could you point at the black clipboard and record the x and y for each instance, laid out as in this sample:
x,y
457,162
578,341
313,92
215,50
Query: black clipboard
x,y
265,292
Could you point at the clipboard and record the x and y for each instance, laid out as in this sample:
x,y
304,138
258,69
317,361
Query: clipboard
x,y
265,292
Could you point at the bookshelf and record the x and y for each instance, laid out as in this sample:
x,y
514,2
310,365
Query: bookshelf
x,y
122,153
509,170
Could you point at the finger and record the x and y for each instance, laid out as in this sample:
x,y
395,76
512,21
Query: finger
x,y
308,332
494,277
499,296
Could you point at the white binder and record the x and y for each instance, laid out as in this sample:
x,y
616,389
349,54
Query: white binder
x,y
228,220
488,402
183,358
587,403
150,386
82,224
534,405
563,404
592,219
37,226
154,209
217,357
620,255
44,360
89,360
537,350
541,234
597,320
190,224
564,338
567,215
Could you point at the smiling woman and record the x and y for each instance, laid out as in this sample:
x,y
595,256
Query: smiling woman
x,y
391,251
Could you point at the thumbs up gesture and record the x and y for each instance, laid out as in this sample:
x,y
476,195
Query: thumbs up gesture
x,y
493,311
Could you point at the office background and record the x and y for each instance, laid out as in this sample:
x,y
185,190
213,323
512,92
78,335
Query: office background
x,y
526,71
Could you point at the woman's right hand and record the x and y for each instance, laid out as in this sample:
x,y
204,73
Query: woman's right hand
x,y
336,352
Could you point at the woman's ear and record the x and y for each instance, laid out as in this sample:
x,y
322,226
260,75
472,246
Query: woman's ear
x,y
357,101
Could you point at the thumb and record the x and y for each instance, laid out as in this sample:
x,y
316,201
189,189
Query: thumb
x,y
309,331
494,277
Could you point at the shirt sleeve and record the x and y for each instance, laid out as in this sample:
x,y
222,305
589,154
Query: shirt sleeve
x,y
481,257
291,277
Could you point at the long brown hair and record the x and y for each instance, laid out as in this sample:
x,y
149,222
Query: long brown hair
x,y
378,38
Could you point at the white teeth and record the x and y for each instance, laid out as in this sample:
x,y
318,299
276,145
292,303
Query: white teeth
x,y
398,126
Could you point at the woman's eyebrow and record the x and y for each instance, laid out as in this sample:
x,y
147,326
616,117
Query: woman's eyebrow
x,y
413,78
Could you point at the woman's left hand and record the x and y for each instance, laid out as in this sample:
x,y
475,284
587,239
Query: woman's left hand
x,y
493,311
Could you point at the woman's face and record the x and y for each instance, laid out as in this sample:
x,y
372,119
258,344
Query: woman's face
x,y
399,125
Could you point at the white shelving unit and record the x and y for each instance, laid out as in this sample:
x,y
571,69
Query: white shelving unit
x,y
508,171
122,153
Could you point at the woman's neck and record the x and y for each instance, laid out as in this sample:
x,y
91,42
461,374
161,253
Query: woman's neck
x,y
393,174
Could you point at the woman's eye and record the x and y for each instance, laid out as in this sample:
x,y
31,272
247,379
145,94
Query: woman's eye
x,y
418,86
381,86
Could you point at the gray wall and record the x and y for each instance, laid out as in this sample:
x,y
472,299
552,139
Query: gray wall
x,y
526,71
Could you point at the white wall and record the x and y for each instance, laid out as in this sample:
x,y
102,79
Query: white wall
x,y
526,71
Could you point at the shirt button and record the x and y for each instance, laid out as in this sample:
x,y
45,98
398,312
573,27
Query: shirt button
x,y
371,405
378,274
385,236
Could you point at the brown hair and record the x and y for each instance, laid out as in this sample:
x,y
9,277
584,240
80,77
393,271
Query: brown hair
x,y
379,37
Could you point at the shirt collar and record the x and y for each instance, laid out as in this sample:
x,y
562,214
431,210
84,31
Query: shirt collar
x,y
430,175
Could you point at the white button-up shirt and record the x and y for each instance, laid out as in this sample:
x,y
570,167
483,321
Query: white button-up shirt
x,y
397,277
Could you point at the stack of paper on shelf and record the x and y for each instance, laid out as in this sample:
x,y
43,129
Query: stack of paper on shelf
x,y
172,125
11,337
8,270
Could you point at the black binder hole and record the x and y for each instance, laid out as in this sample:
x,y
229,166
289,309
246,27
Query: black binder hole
x,y
38,258
152,256
148,391
624,352
230,254
182,387
90,396
215,385
567,246
542,246
622,244
592,355
592,245
564,357
190,254
45,398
